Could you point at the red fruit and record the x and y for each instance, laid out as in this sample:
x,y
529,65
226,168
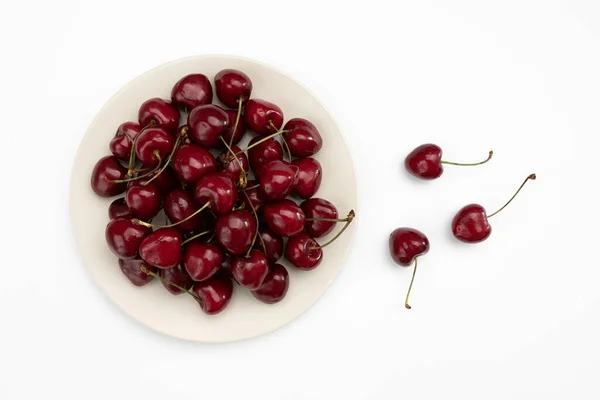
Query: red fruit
x,y
131,269
284,218
302,137
303,252
177,275
425,162
277,179
234,231
108,169
118,208
153,145
227,163
470,224
319,208
239,131
231,85
162,248
214,294
263,117
192,162
191,91
165,181
159,112
179,205
206,123
144,202
253,196
219,189
406,244
273,244
309,179
250,271
275,285
264,152
124,237
202,260
122,143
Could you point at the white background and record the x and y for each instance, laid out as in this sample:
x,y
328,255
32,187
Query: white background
x,y
515,317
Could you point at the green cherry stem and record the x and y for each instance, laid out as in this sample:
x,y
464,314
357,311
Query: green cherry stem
x,y
261,141
411,283
530,177
243,179
237,121
149,225
168,282
135,178
186,241
257,224
132,155
348,220
175,147
470,164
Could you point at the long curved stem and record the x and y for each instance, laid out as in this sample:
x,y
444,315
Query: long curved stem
x,y
411,283
175,146
491,153
349,219
328,219
186,241
237,121
532,177
168,282
243,179
132,155
135,178
148,225
257,224
261,141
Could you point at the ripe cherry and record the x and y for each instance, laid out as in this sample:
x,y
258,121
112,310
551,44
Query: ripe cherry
x,y
303,252
214,294
275,285
470,224
202,260
178,206
124,237
192,162
302,137
263,117
425,161
250,271
217,188
277,179
131,269
232,86
160,113
106,171
321,216
264,152
284,218
165,181
227,163
270,243
153,145
234,231
309,179
191,91
252,196
118,208
144,202
175,276
235,132
122,143
206,124
162,248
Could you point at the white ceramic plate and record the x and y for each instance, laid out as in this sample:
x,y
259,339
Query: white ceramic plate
x,y
180,316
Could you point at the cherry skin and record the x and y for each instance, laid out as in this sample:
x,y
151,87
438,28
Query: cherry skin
x,y
118,208
234,231
233,136
273,244
231,85
275,285
263,117
277,179
303,252
214,294
225,269
177,275
284,218
202,260
252,196
206,123
309,179
219,189
251,271
302,137
108,169
131,269
152,141
319,208
162,248
406,244
191,91
124,237
144,202
165,181
264,152
159,112
227,163
425,162
179,205
471,225
121,144
192,162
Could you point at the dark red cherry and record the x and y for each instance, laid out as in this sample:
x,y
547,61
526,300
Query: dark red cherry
x,y
202,260
219,189
302,137
159,112
225,269
206,123
121,144
153,145
263,117
227,163
319,208
144,202
275,285
124,237
425,161
165,181
277,179
251,271
177,275
237,133
406,244
253,196
284,218
131,269
309,179
108,169
191,91
234,231
264,152
231,85
179,205
192,162
214,294
303,252
273,244
162,248
118,208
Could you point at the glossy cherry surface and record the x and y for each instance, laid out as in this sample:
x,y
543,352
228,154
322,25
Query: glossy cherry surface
x,y
309,178
275,285
302,138
122,143
284,218
191,91
251,271
191,162
177,275
407,243
206,123
214,293
425,161
144,202
152,141
219,189
202,260
236,133
263,117
118,208
303,252
131,269
165,181
253,196
231,85
124,237
179,205
264,152
277,179
227,163
273,244
319,208
234,231
159,112
162,248
107,169
471,225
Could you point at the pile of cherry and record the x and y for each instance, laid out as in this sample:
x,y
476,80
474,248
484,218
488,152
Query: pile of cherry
x,y
220,226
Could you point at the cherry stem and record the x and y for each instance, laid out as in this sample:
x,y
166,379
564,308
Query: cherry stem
x,y
411,283
253,187
328,219
132,155
148,225
257,223
287,149
243,179
175,147
237,120
157,276
135,178
261,141
348,220
532,177
186,241
470,164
